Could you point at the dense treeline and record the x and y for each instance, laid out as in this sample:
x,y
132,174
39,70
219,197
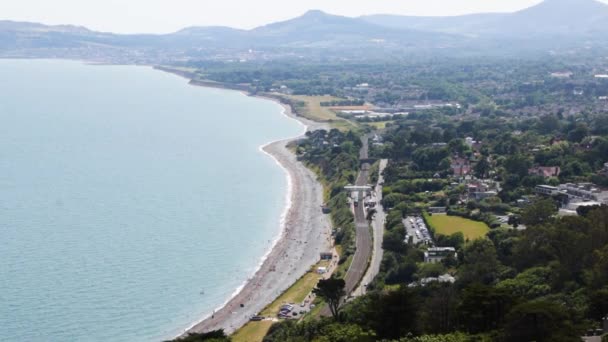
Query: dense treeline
x,y
547,283
489,86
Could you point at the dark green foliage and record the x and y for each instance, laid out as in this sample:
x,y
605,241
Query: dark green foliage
x,y
539,212
212,336
331,290
480,263
483,308
539,321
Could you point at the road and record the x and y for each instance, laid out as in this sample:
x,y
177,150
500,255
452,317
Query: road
x,y
378,232
363,250
364,240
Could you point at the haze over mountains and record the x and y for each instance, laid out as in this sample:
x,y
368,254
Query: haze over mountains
x,y
573,21
551,17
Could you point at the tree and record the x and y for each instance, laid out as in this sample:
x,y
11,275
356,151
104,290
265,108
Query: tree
x,y
531,284
480,263
584,210
598,304
514,220
211,336
578,133
548,124
482,168
517,165
344,333
331,290
483,308
539,212
539,321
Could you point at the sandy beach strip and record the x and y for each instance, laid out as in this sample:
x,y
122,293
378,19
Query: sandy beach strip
x,y
306,233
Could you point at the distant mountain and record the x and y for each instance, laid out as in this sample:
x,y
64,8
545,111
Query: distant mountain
x,y
470,24
551,17
16,26
563,17
316,28
550,25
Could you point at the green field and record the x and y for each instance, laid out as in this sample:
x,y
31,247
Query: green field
x,y
448,225
252,332
313,110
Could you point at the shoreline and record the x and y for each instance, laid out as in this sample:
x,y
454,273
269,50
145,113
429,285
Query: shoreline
x,y
304,232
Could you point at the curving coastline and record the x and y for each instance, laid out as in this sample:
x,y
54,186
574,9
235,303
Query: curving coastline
x,y
304,233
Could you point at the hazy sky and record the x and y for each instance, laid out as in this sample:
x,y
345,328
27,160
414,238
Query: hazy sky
x,y
160,16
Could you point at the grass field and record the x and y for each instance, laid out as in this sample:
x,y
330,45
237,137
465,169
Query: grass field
x,y
252,332
379,125
295,294
448,225
314,111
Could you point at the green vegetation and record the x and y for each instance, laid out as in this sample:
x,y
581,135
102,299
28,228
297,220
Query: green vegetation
x,y
296,293
448,225
331,291
312,108
478,138
252,332
212,336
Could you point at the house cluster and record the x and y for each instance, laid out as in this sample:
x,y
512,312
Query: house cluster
x,y
473,144
545,171
461,167
480,189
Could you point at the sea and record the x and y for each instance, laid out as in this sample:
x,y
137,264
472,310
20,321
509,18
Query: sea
x,y
132,204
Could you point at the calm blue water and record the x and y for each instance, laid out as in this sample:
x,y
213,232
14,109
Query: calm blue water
x,y
124,193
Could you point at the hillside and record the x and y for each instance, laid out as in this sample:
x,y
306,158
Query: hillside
x,y
551,17
321,35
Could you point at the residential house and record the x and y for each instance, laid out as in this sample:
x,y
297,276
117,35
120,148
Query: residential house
x,y
545,171
461,167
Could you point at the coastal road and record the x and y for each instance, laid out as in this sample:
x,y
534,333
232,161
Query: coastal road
x,y
378,232
364,239
363,250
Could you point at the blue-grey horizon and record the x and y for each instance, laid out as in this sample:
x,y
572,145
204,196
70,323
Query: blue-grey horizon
x,y
165,16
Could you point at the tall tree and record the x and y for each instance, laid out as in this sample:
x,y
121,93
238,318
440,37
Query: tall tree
x,y
539,212
480,263
540,321
331,290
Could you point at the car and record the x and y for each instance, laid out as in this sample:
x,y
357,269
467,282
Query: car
x,y
295,313
302,312
312,306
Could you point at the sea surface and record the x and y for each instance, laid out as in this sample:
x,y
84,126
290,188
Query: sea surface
x,y
131,203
